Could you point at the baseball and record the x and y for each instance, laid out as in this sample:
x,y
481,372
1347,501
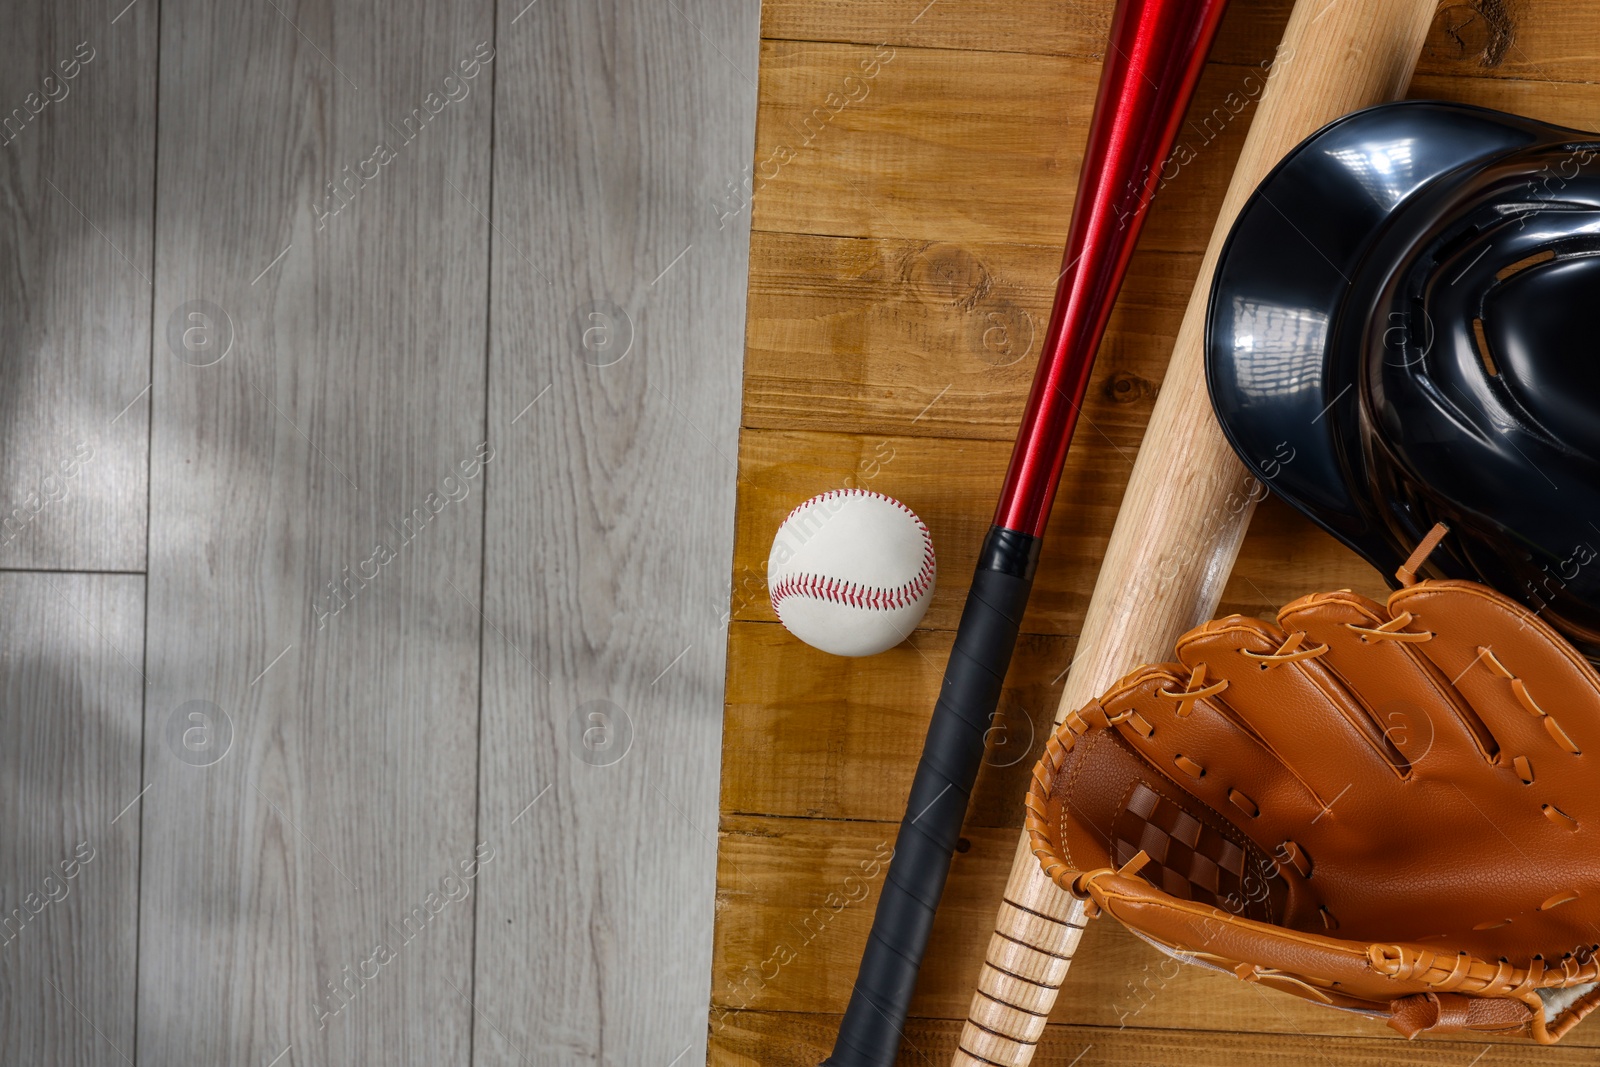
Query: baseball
x,y
851,572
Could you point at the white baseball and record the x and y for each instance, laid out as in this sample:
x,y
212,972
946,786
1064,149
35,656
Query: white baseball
x,y
851,572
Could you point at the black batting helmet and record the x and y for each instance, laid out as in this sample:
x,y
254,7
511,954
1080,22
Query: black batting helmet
x,y
1404,329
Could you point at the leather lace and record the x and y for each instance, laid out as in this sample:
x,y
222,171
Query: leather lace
x,y
1288,652
1196,690
1519,689
1393,630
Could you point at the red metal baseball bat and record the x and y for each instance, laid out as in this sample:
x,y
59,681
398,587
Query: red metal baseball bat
x,y
1153,60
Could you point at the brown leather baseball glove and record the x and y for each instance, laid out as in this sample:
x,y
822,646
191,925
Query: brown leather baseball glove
x,y
1390,809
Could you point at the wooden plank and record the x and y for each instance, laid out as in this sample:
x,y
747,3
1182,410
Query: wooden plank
x,y
796,896
939,339
609,525
1543,40
811,735
77,131
1570,105
975,148
951,486
70,702
295,892
807,734
910,188
965,147
789,1039
1050,28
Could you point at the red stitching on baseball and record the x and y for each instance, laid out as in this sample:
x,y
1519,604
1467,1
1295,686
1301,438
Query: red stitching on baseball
x,y
835,591
834,494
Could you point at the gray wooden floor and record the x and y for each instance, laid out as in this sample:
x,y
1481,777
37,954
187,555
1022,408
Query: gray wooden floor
x,y
369,381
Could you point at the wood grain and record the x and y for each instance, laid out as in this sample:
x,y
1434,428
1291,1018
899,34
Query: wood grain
x,y
1571,105
789,1039
610,523
795,900
962,147
938,339
1052,28
807,736
77,133
975,148
951,485
1543,40
912,179
70,700
275,353
354,390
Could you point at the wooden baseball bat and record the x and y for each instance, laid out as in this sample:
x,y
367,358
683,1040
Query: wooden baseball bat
x,y
1189,499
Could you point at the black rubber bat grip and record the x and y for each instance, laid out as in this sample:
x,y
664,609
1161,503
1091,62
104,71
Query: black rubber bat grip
x,y
951,756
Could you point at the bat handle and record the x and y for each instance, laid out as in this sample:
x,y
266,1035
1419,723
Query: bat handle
x,y
870,1034
1036,935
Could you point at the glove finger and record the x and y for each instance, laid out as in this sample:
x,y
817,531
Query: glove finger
x,y
1201,745
1410,699
1097,802
1537,696
1299,709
